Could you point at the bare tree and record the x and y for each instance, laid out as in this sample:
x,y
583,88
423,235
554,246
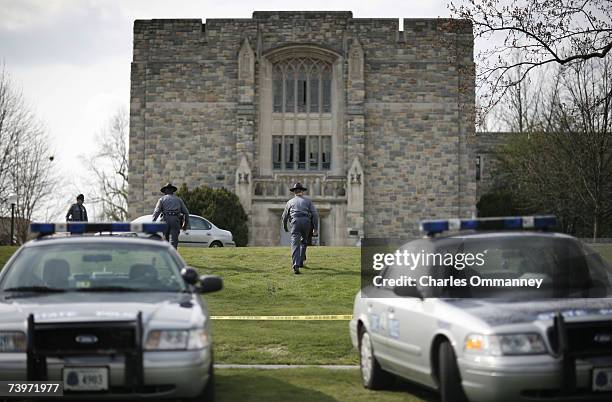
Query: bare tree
x,y
110,167
32,178
580,124
25,159
562,32
14,120
565,165
520,109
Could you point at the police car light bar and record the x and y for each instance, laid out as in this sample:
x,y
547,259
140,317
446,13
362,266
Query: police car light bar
x,y
432,227
43,229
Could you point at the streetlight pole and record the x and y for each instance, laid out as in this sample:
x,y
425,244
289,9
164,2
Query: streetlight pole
x,y
12,223
12,199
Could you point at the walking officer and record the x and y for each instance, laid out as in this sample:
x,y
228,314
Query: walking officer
x,y
171,208
303,216
77,212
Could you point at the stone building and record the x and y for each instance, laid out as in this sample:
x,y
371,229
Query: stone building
x,y
375,120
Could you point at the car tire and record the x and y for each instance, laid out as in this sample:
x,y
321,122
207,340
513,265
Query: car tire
x,y
216,243
372,375
208,394
450,378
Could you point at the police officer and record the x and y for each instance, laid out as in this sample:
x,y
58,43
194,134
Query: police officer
x,y
171,208
77,212
302,214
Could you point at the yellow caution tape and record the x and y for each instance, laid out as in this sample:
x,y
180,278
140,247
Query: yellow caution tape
x,y
329,317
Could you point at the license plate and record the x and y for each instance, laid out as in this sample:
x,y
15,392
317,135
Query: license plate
x,y
85,378
602,379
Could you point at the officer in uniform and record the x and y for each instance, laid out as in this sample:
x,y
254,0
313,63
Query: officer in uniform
x,y
303,216
77,212
171,208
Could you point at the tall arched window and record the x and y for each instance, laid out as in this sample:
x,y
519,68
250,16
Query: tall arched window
x,y
302,92
302,85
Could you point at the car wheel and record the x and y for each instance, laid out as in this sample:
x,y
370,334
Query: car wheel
x,y
372,375
216,243
208,394
450,378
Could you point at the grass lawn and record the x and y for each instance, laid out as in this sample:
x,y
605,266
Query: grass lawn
x,y
259,280
308,385
605,250
5,254
283,342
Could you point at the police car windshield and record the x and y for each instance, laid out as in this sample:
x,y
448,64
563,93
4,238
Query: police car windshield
x,y
96,267
563,267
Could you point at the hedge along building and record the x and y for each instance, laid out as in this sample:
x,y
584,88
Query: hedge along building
x,y
373,120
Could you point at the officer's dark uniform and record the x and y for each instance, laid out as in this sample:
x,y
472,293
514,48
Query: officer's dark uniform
x,y
171,208
77,212
302,214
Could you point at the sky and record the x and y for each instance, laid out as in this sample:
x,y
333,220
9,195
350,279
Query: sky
x,y
71,58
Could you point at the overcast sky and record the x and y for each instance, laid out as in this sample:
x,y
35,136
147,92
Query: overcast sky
x,y
72,57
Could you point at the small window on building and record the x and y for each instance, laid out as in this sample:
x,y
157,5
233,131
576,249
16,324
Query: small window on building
x,y
314,93
277,152
301,153
278,93
301,91
326,91
290,91
313,153
478,168
326,152
289,152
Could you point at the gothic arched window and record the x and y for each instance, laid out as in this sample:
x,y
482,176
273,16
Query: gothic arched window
x,y
301,113
302,85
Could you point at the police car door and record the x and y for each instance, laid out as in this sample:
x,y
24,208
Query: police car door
x,y
198,233
408,326
416,318
385,324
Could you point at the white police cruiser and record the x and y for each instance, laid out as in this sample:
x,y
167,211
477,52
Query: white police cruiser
x,y
531,320
111,317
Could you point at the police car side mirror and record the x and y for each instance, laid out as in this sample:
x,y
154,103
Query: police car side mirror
x,y
407,291
190,275
210,283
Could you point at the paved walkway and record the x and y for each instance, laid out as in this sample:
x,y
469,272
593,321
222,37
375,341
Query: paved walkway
x,y
284,366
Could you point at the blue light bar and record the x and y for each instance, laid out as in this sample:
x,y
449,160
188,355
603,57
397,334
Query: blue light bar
x,y
43,229
513,223
544,221
432,227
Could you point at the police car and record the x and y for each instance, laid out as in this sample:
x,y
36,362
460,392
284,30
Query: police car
x,y
530,320
109,317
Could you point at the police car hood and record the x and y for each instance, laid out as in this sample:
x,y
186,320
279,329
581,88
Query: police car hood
x,y
501,312
176,309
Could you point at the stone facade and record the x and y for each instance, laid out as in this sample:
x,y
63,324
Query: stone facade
x,y
400,120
